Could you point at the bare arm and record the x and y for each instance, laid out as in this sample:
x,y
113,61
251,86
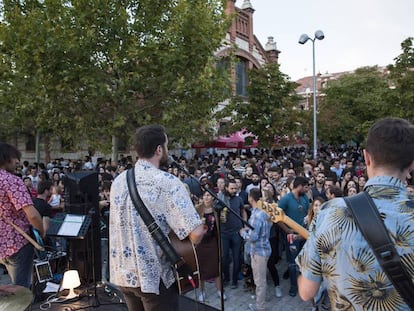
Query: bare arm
x,y
307,288
34,218
197,234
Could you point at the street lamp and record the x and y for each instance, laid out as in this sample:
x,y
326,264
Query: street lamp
x,y
302,40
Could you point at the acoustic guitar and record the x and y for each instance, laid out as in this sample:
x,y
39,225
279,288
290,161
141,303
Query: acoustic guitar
x,y
276,214
186,249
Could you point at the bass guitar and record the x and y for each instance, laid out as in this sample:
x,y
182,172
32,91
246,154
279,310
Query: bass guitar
x,y
276,214
185,248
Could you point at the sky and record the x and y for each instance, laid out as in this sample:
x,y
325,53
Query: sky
x,y
357,32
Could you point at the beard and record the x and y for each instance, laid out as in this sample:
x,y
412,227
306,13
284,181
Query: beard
x,y
164,158
255,183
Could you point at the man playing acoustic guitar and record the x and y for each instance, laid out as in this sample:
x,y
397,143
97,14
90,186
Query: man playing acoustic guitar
x,y
137,264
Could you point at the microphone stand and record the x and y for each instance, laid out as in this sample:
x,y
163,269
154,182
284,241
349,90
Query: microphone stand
x,y
218,206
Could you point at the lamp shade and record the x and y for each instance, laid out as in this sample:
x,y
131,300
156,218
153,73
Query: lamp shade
x,y
70,281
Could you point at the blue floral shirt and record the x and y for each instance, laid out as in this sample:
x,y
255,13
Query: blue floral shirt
x,y
337,253
135,259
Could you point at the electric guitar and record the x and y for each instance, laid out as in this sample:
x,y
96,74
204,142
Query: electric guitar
x,y
276,214
185,248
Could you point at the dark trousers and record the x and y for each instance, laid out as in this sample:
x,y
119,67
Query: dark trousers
x,y
139,301
231,241
274,259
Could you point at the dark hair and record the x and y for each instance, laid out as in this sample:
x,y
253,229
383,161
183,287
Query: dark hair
x,y
255,194
8,152
43,186
300,181
390,142
336,191
148,138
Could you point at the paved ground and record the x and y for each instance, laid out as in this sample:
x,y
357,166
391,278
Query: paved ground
x,y
239,299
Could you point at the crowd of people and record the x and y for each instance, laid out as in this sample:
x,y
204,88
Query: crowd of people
x,y
288,177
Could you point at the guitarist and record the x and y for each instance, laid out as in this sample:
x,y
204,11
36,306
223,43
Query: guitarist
x,y
137,264
16,207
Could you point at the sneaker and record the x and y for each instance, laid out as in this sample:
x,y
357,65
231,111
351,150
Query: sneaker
x,y
234,286
219,295
278,291
293,291
252,307
201,297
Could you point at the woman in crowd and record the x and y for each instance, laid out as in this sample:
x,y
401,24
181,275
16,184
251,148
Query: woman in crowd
x,y
207,250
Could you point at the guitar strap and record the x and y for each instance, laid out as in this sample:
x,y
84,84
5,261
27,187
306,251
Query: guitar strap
x,y
176,261
373,229
25,235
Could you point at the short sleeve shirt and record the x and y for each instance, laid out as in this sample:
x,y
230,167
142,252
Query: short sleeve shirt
x,y
337,253
136,260
13,197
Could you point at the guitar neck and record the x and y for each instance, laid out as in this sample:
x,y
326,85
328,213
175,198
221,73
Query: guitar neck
x,y
295,226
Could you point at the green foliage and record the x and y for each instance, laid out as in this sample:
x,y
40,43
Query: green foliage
x,y
352,104
89,69
402,81
271,108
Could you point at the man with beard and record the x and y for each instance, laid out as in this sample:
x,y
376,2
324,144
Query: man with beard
x,y
230,227
247,178
137,264
16,206
255,182
318,190
295,204
337,253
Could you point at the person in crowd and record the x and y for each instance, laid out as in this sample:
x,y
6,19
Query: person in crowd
x,y
207,250
350,191
318,189
269,196
333,192
16,206
137,265
247,178
255,182
346,177
362,180
336,169
230,227
350,184
29,186
295,204
354,278
260,249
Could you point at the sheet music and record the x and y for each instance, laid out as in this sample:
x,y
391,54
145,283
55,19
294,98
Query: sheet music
x,y
71,225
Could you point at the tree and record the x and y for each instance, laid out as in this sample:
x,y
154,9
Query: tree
x,y
88,70
402,80
270,109
352,104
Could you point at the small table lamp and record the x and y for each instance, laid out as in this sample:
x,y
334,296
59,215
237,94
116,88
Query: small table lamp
x,y
70,281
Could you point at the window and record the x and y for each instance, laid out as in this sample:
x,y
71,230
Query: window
x,y
241,77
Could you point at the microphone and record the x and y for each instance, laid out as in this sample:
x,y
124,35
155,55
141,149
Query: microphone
x,y
171,161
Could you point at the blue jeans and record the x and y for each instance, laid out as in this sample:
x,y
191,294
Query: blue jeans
x,y
292,250
231,241
20,266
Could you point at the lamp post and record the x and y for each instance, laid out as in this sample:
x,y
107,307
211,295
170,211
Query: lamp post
x,y
302,40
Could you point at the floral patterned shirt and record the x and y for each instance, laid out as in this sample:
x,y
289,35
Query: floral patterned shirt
x,y
13,197
136,260
337,253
